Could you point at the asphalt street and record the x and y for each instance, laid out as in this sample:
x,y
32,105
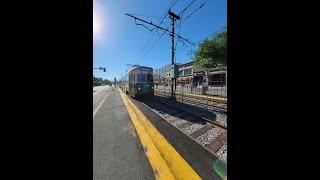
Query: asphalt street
x,y
99,92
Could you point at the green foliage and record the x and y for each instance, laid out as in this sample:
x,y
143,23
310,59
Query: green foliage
x,y
107,82
100,81
212,52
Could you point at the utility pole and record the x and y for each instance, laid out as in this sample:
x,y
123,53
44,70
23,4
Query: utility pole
x,y
173,17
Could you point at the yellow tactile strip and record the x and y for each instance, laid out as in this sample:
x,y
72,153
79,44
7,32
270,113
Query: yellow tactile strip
x,y
166,162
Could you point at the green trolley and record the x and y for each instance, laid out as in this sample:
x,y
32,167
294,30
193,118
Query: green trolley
x,y
140,82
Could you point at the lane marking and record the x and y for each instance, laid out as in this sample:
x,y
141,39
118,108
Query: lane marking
x,y
100,104
166,162
99,88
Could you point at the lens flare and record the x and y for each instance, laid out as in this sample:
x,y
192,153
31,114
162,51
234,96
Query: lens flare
x,y
96,25
99,19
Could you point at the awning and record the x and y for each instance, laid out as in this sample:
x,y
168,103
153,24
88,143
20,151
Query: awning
x,y
217,72
185,78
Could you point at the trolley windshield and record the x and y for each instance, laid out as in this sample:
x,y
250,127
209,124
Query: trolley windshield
x,y
144,78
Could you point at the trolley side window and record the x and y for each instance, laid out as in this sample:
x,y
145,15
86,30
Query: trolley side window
x,y
149,78
131,78
141,78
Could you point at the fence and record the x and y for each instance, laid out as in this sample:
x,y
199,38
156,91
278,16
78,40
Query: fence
x,y
198,90
206,97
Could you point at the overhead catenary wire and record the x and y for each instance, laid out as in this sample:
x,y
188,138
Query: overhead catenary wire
x,y
187,7
152,46
164,28
159,27
164,15
135,20
196,10
179,28
150,23
148,16
161,19
171,4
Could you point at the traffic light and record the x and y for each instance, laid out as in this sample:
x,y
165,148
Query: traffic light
x,y
101,68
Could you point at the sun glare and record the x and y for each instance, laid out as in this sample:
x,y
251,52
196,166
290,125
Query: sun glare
x,y
96,25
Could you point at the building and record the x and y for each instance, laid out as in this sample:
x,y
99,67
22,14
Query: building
x,y
186,74
218,76
191,74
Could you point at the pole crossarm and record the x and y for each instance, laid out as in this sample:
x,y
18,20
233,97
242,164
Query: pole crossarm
x,y
150,23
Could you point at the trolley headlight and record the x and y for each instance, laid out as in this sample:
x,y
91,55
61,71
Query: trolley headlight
x,y
139,88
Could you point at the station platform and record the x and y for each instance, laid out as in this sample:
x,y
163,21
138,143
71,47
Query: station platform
x,y
132,142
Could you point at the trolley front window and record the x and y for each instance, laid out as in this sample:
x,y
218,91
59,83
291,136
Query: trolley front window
x,y
149,78
141,78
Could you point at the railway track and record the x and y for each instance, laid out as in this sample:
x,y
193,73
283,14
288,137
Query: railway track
x,y
209,135
214,104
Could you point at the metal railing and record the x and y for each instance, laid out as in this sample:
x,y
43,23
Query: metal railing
x,y
211,97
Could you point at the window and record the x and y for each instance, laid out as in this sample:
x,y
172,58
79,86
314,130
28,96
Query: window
x,y
188,71
131,78
217,79
141,78
149,78
180,73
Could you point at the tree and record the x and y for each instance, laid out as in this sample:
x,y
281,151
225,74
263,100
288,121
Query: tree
x,y
107,82
99,81
212,52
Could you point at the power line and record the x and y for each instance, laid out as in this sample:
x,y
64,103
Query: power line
x,y
151,47
180,22
142,54
163,16
165,12
186,7
157,17
159,27
175,47
195,10
135,20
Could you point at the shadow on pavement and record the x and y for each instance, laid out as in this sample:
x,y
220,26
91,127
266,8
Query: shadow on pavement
x,y
193,110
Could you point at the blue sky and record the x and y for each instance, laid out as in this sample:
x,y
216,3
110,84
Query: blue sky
x,y
118,41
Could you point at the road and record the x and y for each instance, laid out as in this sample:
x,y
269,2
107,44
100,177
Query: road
x,y
98,93
117,151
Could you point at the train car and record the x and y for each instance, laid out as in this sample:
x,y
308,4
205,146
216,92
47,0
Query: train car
x,y
139,82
